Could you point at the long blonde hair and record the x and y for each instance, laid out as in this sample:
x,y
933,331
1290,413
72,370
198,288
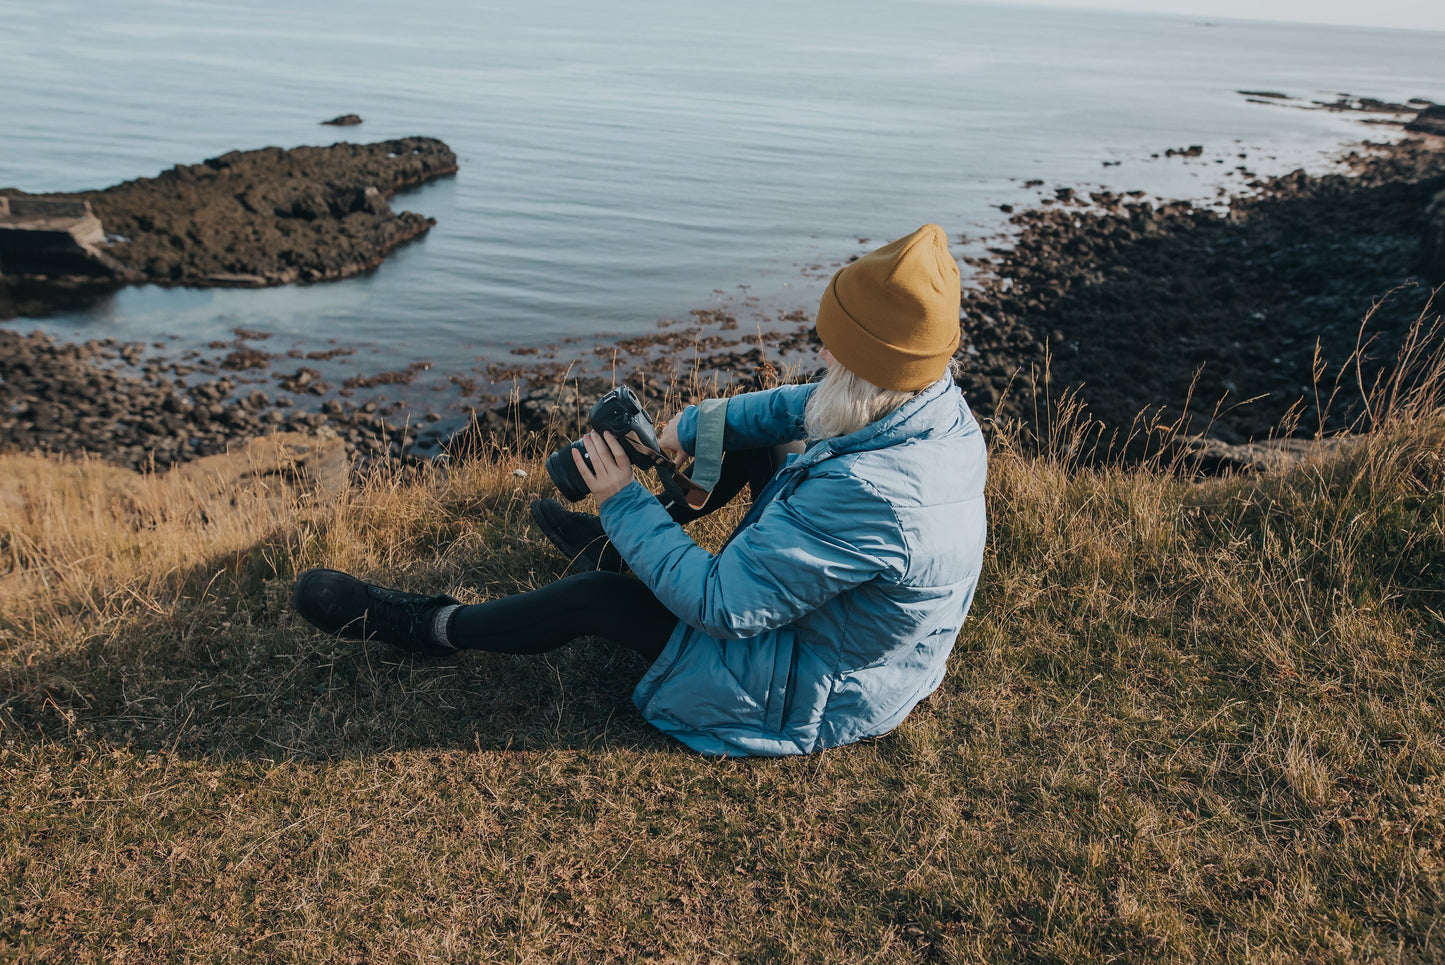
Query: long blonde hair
x,y
844,402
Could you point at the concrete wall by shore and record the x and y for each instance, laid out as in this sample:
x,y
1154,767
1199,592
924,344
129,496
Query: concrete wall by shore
x,y
52,237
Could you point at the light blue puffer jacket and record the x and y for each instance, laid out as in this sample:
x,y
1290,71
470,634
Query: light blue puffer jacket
x,y
833,607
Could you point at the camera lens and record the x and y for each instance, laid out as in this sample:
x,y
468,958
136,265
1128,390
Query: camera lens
x,y
564,472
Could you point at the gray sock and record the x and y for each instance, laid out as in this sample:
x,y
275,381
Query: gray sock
x,y
441,622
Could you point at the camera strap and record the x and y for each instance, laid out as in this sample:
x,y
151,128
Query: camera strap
x,y
676,484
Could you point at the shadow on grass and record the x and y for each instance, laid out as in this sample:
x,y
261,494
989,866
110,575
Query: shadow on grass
x,y
228,671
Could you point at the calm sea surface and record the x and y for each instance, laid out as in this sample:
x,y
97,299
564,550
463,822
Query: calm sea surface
x,y
625,162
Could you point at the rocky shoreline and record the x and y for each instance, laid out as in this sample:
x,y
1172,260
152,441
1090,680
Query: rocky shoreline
x,y
1241,312
1133,305
128,404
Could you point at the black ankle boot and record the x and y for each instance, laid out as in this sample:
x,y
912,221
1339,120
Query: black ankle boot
x,y
579,536
337,603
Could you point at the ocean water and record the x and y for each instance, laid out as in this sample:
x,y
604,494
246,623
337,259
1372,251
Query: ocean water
x,y
627,162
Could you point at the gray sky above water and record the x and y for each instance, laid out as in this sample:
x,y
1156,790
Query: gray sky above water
x,y
1399,14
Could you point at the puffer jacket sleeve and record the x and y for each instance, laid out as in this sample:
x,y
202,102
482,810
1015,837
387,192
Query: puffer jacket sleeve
x,y
829,534
754,419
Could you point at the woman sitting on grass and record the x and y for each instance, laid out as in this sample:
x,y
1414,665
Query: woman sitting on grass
x,y
831,610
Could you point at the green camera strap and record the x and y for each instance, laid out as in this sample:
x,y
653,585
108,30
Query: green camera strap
x,y
708,447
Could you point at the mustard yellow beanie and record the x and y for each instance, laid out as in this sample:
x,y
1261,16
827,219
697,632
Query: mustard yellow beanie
x,y
891,317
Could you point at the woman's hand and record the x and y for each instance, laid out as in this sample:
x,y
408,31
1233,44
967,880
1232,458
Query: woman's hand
x,y
670,443
611,470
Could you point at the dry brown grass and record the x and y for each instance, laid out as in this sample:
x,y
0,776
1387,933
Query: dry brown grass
x,y
1185,722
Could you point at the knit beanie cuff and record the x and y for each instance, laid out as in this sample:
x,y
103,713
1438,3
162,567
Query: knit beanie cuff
x,y
883,364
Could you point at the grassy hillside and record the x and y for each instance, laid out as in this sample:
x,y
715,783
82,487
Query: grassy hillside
x,y
1185,721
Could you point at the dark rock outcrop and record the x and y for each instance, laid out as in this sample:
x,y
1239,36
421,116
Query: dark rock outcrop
x,y
1429,121
267,217
344,120
1434,265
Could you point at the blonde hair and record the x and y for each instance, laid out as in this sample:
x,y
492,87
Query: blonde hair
x,y
844,402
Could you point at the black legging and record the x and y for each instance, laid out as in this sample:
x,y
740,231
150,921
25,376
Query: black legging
x,y
619,608
601,604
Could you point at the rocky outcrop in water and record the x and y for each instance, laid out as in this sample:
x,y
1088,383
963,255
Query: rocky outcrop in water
x,y
267,217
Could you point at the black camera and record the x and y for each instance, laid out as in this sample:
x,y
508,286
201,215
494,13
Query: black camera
x,y
620,413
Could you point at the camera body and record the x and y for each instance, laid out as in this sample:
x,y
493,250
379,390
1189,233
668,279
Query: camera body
x,y
619,412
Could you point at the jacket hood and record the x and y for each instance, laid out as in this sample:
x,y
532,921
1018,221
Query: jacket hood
x,y
936,410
